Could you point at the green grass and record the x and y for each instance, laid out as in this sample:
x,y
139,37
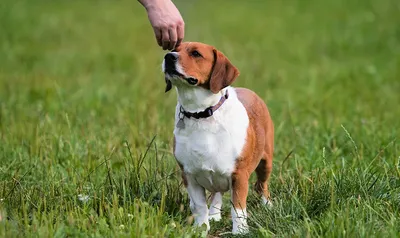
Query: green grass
x,y
83,113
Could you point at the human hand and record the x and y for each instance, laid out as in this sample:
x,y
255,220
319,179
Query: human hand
x,y
166,21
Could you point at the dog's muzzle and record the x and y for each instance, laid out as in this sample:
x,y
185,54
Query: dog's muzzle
x,y
170,60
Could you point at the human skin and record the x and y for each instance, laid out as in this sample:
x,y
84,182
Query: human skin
x,y
167,22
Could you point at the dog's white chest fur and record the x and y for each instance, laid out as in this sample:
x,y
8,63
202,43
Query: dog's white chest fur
x,y
208,147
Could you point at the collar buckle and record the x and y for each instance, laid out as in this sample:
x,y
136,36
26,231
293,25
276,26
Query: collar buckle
x,y
209,111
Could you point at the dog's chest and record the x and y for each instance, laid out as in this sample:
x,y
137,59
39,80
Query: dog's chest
x,y
205,148
208,148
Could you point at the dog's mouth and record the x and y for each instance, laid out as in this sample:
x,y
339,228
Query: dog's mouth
x,y
173,73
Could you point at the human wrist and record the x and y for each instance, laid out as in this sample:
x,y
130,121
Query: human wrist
x,y
151,4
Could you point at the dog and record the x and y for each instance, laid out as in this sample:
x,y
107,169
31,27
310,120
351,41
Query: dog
x,y
222,134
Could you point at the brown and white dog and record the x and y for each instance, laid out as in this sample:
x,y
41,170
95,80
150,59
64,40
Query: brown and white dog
x,y
222,134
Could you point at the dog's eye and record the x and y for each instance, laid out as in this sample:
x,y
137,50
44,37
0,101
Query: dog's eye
x,y
195,53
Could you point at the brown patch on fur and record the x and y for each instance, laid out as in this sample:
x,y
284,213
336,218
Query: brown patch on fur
x,y
223,73
257,154
212,68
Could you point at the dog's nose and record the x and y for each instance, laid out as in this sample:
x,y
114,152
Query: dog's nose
x,y
170,58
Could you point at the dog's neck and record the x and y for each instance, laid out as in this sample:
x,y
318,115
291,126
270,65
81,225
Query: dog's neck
x,y
196,99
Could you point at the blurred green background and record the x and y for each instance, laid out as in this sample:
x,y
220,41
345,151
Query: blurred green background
x,y
83,113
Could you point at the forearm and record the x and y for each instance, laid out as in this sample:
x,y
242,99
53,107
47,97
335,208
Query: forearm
x,y
150,3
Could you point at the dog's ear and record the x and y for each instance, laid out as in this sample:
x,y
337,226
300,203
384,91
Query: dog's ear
x,y
168,85
223,72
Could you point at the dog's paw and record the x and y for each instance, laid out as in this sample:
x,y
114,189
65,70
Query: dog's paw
x,y
240,229
214,217
204,224
239,221
267,201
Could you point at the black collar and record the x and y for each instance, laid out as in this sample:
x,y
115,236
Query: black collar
x,y
207,112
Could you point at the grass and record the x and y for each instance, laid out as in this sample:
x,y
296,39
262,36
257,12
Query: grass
x,y
85,127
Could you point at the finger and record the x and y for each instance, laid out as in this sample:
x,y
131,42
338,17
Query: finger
x,y
158,34
165,39
181,33
173,38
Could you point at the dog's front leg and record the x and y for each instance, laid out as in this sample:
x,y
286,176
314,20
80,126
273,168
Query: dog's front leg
x,y
198,202
239,186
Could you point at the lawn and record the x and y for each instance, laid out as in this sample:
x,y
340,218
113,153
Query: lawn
x,y
86,128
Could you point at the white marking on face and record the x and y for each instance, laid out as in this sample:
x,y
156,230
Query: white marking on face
x,y
179,68
163,66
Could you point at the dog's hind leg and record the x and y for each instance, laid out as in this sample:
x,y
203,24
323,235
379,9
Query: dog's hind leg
x,y
263,172
264,167
215,207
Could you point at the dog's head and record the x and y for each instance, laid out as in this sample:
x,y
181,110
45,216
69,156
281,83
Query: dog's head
x,y
198,65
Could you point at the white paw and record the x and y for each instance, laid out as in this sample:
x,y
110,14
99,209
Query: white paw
x,y
202,224
215,216
240,229
266,201
239,220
